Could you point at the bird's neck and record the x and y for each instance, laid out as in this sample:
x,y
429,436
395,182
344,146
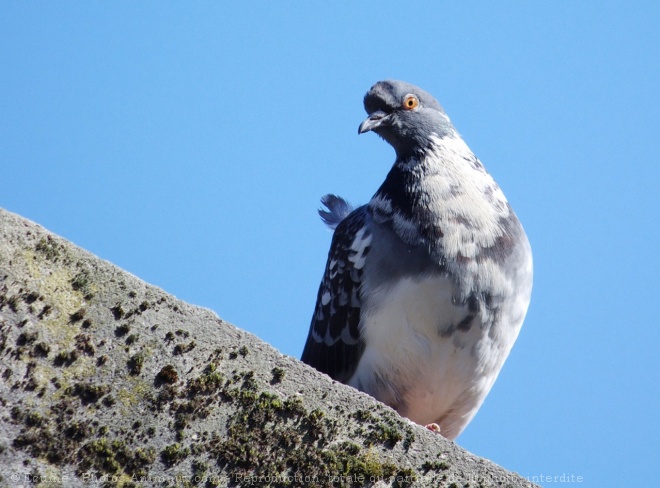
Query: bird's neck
x,y
442,198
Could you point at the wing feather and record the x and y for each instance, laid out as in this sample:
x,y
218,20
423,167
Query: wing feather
x,y
334,345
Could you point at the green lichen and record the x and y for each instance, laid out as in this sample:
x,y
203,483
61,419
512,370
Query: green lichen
x,y
199,468
385,434
30,297
132,339
242,351
268,434
174,453
87,392
383,429
66,358
278,376
105,456
135,363
26,338
41,349
49,248
12,302
122,330
208,382
264,432
84,344
77,316
183,348
435,466
117,312
45,311
82,283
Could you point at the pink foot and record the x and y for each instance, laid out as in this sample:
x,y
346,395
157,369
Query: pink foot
x,y
433,427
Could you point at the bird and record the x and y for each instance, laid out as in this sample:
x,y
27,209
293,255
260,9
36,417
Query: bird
x,y
426,287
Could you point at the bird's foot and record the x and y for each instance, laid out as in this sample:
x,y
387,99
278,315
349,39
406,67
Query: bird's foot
x,y
433,428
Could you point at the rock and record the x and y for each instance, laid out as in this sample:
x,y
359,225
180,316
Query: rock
x,y
106,380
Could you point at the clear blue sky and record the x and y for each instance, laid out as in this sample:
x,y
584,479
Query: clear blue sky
x,y
189,143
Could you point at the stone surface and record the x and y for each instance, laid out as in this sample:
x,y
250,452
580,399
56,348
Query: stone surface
x,y
108,381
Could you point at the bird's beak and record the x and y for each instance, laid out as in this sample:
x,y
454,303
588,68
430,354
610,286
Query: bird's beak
x,y
375,120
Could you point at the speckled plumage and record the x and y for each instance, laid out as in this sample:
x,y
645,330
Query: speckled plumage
x,y
427,286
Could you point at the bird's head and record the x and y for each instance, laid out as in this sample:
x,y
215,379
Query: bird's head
x,y
405,116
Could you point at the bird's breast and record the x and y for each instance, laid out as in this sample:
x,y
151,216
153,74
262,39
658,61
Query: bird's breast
x,y
429,355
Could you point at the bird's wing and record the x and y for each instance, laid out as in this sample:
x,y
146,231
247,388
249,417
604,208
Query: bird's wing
x,y
334,345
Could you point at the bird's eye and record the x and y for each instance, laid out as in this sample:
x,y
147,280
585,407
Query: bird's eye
x,y
410,102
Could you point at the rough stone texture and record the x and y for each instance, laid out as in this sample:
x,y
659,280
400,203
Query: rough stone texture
x,y
108,381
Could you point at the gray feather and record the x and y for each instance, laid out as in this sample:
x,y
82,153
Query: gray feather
x,y
338,210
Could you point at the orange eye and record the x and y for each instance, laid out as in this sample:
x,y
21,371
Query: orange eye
x,y
410,102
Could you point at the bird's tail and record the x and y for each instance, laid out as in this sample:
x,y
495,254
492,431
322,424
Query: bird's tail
x,y
338,210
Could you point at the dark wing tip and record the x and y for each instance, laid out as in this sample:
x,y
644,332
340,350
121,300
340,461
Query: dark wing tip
x,y
334,345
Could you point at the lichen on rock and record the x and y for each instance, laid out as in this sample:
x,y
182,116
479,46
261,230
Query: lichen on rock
x,y
108,381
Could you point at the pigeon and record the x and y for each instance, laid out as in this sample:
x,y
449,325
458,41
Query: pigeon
x,y
426,287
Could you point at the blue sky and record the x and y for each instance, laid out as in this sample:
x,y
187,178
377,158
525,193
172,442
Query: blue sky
x,y
189,143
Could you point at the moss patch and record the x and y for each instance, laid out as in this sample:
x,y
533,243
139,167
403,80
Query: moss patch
x,y
269,434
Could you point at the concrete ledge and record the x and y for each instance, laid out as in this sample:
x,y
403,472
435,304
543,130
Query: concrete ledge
x,y
108,381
